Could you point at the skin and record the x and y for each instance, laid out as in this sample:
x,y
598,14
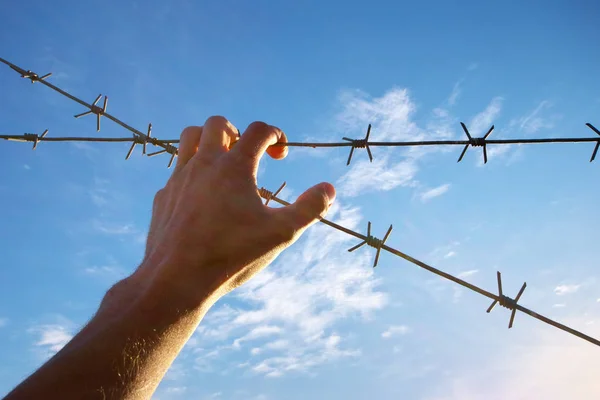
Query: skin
x,y
210,232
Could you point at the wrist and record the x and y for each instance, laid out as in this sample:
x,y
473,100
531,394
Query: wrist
x,y
183,283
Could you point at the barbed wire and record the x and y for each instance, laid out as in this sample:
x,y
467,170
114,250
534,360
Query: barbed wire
x,y
168,147
379,244
138,136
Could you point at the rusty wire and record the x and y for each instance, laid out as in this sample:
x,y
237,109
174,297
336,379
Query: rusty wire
x,y
167,147
500,298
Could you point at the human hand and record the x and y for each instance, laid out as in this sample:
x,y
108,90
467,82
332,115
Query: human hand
x,y
210,231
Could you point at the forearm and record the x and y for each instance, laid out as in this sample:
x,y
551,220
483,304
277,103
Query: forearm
x,y
123,352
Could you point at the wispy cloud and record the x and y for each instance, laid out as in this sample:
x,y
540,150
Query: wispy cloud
x,y
466,274
3,322
427,195
313,286
52,337
257,333
392,117
450,254
395,330
561,290
481,122
534,121
456,90
117,229
176,390
378,175
444,252
104,270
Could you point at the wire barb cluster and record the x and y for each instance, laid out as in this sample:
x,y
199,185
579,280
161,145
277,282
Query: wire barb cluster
x,y
94,108
475,142
506,301
360,144
27,137
268,195
373,242
500,298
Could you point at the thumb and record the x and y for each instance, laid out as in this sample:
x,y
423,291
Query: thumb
x,y
311,205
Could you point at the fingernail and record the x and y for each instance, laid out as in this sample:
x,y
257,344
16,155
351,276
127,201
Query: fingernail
x,y
330,192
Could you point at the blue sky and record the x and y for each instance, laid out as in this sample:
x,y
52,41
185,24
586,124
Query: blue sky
x,y
320,323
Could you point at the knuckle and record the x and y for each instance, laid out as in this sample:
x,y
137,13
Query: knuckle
x,y
217,120
188,131
258,126
158,197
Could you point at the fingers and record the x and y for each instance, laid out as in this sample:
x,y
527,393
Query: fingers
x,y
257,139
309,207
217,135
278,152
188,145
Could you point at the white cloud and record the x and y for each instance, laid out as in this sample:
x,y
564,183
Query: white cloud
x,y
455,94
3,322
466,274
391,117
302,361
52,337
484,120
395,330
559,305
434,192
449,254
257,333
444,252
26,166
176,390
311,287
473,66
113,228
533,121
561,290
106,270
365,176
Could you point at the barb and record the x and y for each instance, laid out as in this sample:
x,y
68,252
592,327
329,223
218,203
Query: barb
x,y
475,142
360,144
499,298
267,195
27,137
373,242
506,301
95,109
592,127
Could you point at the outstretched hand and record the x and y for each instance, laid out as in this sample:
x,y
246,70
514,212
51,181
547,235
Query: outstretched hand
x,y
210,231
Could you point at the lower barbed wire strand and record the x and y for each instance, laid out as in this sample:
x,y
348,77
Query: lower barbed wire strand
x,y
452,278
